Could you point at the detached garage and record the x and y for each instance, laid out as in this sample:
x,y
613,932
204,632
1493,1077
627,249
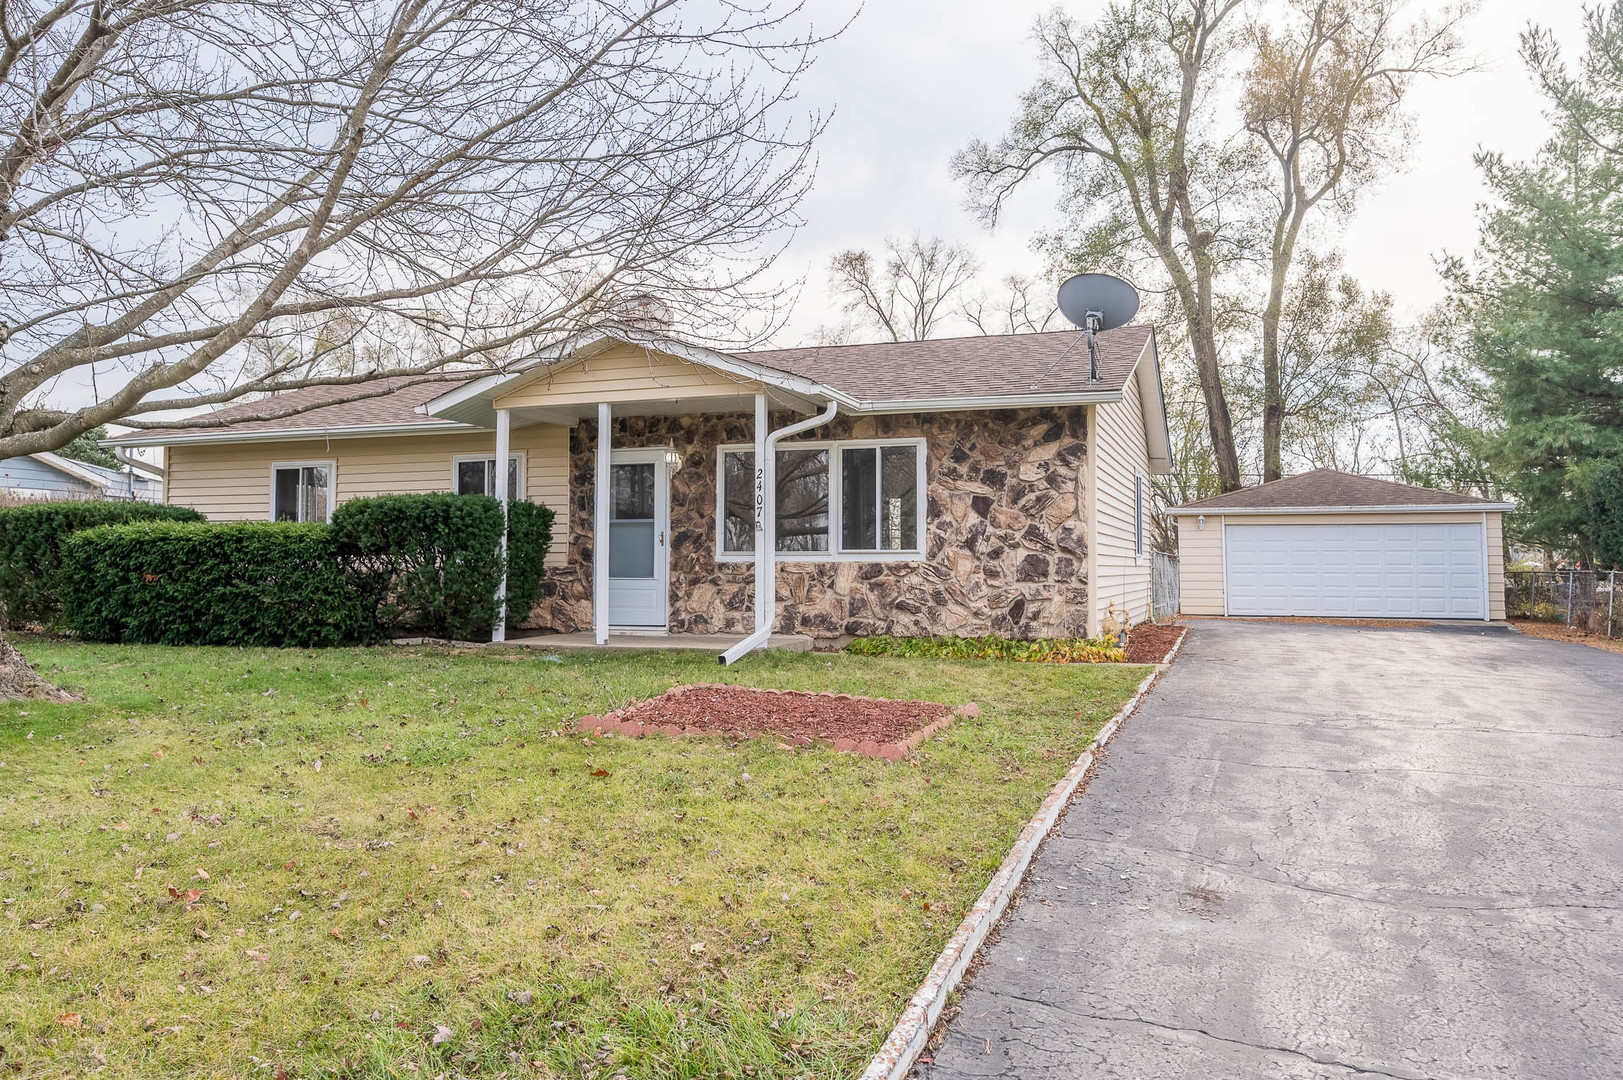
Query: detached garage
x,y
1329,543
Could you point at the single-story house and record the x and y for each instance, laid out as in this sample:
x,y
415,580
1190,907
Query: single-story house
x,y
48,476
1330,543
984,485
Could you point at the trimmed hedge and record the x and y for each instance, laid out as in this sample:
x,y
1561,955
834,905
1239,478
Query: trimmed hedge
x,y
386,566
31,548
237,583
529,538
437,554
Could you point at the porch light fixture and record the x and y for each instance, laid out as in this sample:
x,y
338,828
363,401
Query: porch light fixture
x,y
1200,523
673,459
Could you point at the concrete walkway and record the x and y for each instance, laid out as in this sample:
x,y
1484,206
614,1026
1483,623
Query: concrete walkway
x,y
1329,852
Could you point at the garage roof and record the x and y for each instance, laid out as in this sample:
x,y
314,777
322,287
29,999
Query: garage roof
x,y
1332,490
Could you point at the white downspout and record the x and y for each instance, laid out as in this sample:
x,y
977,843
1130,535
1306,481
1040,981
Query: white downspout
x,y
126,458
504,440
763,547
766,554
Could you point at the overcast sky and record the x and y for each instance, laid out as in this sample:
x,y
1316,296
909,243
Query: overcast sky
x,y
912,80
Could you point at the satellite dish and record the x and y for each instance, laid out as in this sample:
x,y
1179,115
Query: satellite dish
x,y
1098,301
1095,302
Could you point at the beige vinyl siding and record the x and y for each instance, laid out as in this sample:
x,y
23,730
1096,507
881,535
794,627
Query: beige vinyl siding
x,y
1119,455
232,482
626,374
1200,553
1496,566
1200,566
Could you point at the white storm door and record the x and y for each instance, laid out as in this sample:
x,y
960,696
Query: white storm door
x,y
1356,571
639,518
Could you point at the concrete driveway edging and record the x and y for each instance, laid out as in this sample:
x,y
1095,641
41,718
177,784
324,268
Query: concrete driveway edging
x,y
906,1041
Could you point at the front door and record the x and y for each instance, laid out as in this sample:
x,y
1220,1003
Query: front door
x,y
639,514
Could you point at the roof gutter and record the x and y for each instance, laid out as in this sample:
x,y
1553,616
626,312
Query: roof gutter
x,y
965,404
205,438
1402,508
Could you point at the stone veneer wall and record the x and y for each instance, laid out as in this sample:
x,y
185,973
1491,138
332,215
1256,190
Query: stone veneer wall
x,y
1005,536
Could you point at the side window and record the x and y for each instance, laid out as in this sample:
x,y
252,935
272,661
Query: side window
x,y
1138,514
475,476
301,492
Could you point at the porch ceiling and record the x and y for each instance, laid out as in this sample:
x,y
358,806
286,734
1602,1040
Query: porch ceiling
x,y
482,414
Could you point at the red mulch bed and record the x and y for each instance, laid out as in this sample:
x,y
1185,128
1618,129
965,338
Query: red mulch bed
x,y
1149,643
875,727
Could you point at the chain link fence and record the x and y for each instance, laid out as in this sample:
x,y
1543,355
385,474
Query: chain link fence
x,y
1164,587
1583,599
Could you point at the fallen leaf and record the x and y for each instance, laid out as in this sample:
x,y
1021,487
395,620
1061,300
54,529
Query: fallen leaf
x,y
202,873
201,933
158,754
697,948
261,957
599,772
316,764
442,1034
68,1019
337,933
123,826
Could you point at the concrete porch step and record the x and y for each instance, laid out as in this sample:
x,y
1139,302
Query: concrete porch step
x,y
716,643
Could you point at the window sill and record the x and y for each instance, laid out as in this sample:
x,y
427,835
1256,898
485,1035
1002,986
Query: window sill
x,y
825,556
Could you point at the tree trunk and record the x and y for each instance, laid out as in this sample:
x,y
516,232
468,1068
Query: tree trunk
x,y
18,679
1273,399
1219,423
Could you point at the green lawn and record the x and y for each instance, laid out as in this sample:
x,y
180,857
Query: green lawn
x,y
405,866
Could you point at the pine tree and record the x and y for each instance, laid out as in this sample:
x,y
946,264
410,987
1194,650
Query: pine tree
x,y
1544,303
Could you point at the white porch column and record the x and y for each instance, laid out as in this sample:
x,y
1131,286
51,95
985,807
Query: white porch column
x,y
763,553
600,529
503,445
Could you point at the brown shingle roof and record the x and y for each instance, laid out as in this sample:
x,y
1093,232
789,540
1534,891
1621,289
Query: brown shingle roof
x,y
396,405
969,367
995,366
1328,487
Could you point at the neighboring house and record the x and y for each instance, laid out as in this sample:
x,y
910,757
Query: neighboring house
x,y
51,476
1330,543
966,486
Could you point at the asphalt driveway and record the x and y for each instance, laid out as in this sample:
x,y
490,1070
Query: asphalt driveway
x,y
1324,851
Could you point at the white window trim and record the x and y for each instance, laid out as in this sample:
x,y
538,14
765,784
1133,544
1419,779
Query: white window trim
x,y
516,455
835,552
332,482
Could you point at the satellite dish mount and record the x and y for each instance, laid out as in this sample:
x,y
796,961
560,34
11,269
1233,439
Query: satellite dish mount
x,y
1095,302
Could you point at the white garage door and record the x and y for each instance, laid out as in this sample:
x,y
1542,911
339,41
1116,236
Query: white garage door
x,y
1364,571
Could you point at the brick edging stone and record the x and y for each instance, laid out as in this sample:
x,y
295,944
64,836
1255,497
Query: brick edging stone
x,y
614,723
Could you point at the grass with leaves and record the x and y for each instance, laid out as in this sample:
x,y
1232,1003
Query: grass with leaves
x,y
399,862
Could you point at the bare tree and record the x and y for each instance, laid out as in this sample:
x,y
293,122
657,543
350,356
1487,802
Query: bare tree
x,y
1124,108
908,293
1024,306
1324,96
179,178
1332,336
